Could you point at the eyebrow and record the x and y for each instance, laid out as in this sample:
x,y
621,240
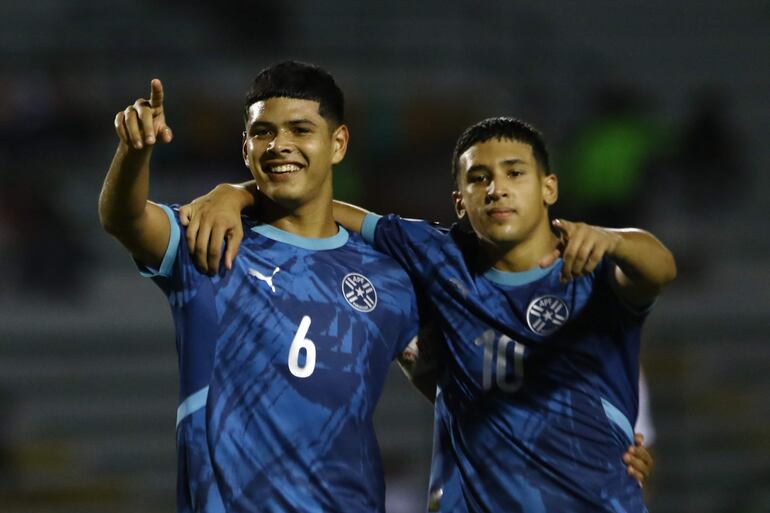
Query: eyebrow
x,y
477,167
293,122
511,162
302,122
506,162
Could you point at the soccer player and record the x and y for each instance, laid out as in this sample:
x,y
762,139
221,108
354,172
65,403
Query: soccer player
x,y
283,358
540,322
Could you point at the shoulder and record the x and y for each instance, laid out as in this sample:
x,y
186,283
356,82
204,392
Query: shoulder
x,y
374,260
415,229
363,266
381,269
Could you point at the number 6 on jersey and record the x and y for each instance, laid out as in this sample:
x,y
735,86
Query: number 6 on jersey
x,y
300,342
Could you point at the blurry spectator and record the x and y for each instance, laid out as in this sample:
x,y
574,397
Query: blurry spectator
x,y
8,470
606,161
710,151
49,252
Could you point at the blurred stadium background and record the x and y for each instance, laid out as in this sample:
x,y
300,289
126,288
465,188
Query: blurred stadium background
x,y
655,111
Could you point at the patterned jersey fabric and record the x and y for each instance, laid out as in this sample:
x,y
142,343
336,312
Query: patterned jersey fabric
x,y
282,361
539,388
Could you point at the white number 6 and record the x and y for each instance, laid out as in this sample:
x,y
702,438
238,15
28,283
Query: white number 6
x,y
300,342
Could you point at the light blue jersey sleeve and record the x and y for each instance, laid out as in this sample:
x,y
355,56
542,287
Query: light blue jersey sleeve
x,y
167,264
414,244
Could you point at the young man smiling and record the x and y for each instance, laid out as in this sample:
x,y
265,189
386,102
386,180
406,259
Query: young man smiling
x,y
538,384
283,359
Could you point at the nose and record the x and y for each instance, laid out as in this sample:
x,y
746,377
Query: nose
x,y
281,143
496,190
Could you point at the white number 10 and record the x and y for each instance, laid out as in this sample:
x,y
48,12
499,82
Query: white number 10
x,y
300,342
488,340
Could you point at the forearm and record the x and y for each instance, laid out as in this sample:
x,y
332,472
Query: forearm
x,y
245,193
349,216
643,259
123,199
245,196
124,210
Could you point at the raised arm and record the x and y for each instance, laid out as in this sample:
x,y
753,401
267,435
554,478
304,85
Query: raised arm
x,y
643,264
124,210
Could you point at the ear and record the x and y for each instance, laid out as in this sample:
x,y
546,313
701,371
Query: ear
x,y
340,139
244,153
550,189
457,201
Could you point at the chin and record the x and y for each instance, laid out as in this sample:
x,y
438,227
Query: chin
x,y
499,234
503,240
284,198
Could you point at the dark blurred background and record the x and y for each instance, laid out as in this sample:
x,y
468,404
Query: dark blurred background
x,y
655,113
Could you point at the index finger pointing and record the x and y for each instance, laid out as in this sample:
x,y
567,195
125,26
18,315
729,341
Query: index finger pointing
x,y
563,226
156,93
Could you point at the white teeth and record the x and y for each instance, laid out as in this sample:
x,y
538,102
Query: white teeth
x,y
284,168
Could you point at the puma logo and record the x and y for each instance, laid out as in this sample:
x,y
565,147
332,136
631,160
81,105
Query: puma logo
x,y
267,279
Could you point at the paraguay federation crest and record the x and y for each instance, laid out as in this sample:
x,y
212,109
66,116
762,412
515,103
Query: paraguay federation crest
x,y
359,292
546,314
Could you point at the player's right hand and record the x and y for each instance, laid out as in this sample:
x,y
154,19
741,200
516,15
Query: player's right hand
x,y
210,220
639,460
142,124
581,248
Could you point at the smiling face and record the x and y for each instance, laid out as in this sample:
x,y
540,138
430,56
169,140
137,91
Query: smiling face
x,y
290,149
504,193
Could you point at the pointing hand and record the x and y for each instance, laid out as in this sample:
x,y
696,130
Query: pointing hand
x,y
581,246
144,122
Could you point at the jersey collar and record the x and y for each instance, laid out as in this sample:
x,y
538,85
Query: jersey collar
x,y
519,278
333,242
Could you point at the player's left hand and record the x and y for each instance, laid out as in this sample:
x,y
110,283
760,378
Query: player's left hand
x,y
581,247
639,460
210,220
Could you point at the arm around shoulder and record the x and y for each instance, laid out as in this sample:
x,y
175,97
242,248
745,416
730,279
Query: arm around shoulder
x,y
349,216
644,266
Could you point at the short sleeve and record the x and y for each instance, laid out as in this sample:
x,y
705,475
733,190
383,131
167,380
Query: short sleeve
x,y
415,244
167,264
369,226
411,324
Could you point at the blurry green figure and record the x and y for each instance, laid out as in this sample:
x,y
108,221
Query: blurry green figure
x,y
606,162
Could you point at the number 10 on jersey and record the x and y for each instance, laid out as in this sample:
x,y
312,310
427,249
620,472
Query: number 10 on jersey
x,y
496,361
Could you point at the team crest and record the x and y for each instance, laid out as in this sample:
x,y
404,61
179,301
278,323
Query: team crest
x,y
546,314
359,292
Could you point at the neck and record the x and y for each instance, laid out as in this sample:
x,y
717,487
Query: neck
x,y
312,220
519,256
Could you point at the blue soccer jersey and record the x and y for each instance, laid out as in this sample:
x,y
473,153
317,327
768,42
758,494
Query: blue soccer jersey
x,y
444,488
539,391
282,361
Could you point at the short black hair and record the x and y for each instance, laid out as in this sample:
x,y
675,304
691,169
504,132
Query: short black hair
x,y
292,79
501,128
